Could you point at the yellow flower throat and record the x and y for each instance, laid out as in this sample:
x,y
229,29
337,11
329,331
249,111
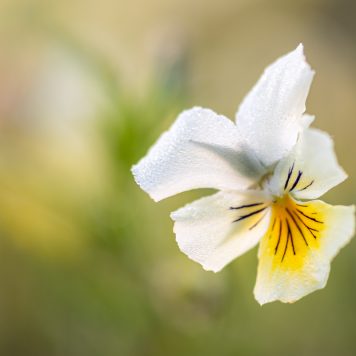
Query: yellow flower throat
x,y
295,228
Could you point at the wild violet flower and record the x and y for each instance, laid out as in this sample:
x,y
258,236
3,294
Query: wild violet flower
x,y
269,168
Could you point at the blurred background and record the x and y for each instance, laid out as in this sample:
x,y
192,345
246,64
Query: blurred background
x,y
88,263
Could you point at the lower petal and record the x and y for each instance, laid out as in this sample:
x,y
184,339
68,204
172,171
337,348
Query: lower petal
x,y
296,251
215,230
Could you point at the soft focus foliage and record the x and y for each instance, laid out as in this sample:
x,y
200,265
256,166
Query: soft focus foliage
x,y
89,265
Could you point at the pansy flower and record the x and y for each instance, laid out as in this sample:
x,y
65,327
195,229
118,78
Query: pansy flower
x,y
269,168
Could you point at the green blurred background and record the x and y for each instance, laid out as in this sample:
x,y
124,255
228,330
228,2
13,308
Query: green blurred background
x,y
88,263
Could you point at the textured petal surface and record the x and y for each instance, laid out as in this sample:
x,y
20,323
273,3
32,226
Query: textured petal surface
x,y
215,230
310,170
296,251
201,150
270,117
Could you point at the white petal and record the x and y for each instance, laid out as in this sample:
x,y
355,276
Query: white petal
x,y
312,165
307,120
270,117
207,230
201,150
290,269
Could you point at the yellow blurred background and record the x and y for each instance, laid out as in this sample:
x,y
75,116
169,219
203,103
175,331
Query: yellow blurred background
x,y
88,263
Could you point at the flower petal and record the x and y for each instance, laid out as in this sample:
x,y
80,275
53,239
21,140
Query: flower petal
x,y
215,230
296,251
310,170
270,117
201,150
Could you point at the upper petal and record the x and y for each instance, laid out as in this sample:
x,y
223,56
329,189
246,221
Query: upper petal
x,y
296,251
310,170
200,150
270,116
215,230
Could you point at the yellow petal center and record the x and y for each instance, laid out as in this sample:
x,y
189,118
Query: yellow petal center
x,y
295,229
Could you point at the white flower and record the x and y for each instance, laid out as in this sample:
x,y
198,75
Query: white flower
x,y
265,166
